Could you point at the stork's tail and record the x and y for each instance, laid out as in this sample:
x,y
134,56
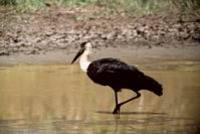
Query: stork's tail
x,y
152,85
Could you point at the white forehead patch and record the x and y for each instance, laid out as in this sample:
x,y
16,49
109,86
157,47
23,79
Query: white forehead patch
x,y
88,45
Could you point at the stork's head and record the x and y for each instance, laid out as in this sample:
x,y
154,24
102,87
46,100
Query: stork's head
x,y
85,48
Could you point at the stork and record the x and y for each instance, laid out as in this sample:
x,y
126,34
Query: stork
x,y
116,74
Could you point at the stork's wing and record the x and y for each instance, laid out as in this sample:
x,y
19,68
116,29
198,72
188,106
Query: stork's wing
x,y
112,72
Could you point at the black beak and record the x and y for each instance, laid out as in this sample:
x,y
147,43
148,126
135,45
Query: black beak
x,y
80,52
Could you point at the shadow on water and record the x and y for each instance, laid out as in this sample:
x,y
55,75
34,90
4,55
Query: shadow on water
x,y
57,99
134,113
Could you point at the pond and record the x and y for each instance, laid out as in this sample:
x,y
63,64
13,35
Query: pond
x,y
58,99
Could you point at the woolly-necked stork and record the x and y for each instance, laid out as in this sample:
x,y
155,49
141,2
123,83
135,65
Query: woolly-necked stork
x,y
116,74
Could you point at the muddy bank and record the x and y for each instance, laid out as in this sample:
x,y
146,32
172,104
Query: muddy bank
x,y
53,35
130,54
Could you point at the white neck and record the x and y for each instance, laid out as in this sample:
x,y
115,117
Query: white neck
x,y
84,62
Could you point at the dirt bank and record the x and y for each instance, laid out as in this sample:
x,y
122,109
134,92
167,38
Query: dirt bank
x,y
52,35
131,54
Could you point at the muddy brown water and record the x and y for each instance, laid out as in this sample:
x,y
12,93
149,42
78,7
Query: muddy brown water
x,y
60,99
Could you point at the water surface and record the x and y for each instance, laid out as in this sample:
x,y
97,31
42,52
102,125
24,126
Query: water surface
x,y
60,99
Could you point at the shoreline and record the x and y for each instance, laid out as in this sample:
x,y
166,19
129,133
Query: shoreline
x,y
130,54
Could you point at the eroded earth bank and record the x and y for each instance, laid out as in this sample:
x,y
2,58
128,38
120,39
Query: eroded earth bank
x,y
53,35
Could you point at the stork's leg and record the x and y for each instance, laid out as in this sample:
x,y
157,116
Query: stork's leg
x,y
135,97
117,108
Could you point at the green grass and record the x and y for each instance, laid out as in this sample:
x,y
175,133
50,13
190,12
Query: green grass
x,y
145,6
29,4
7,2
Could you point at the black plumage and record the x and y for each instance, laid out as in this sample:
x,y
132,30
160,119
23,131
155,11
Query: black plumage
x,y
114,73
119,75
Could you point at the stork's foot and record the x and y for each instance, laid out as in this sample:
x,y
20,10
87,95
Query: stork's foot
x,y
116,110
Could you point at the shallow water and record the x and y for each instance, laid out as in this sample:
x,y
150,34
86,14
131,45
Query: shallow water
x,y
60,99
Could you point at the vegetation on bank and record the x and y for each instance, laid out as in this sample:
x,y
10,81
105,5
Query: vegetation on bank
x,y
144,6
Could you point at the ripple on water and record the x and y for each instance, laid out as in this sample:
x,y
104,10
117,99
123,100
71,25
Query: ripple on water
x,y
61,99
